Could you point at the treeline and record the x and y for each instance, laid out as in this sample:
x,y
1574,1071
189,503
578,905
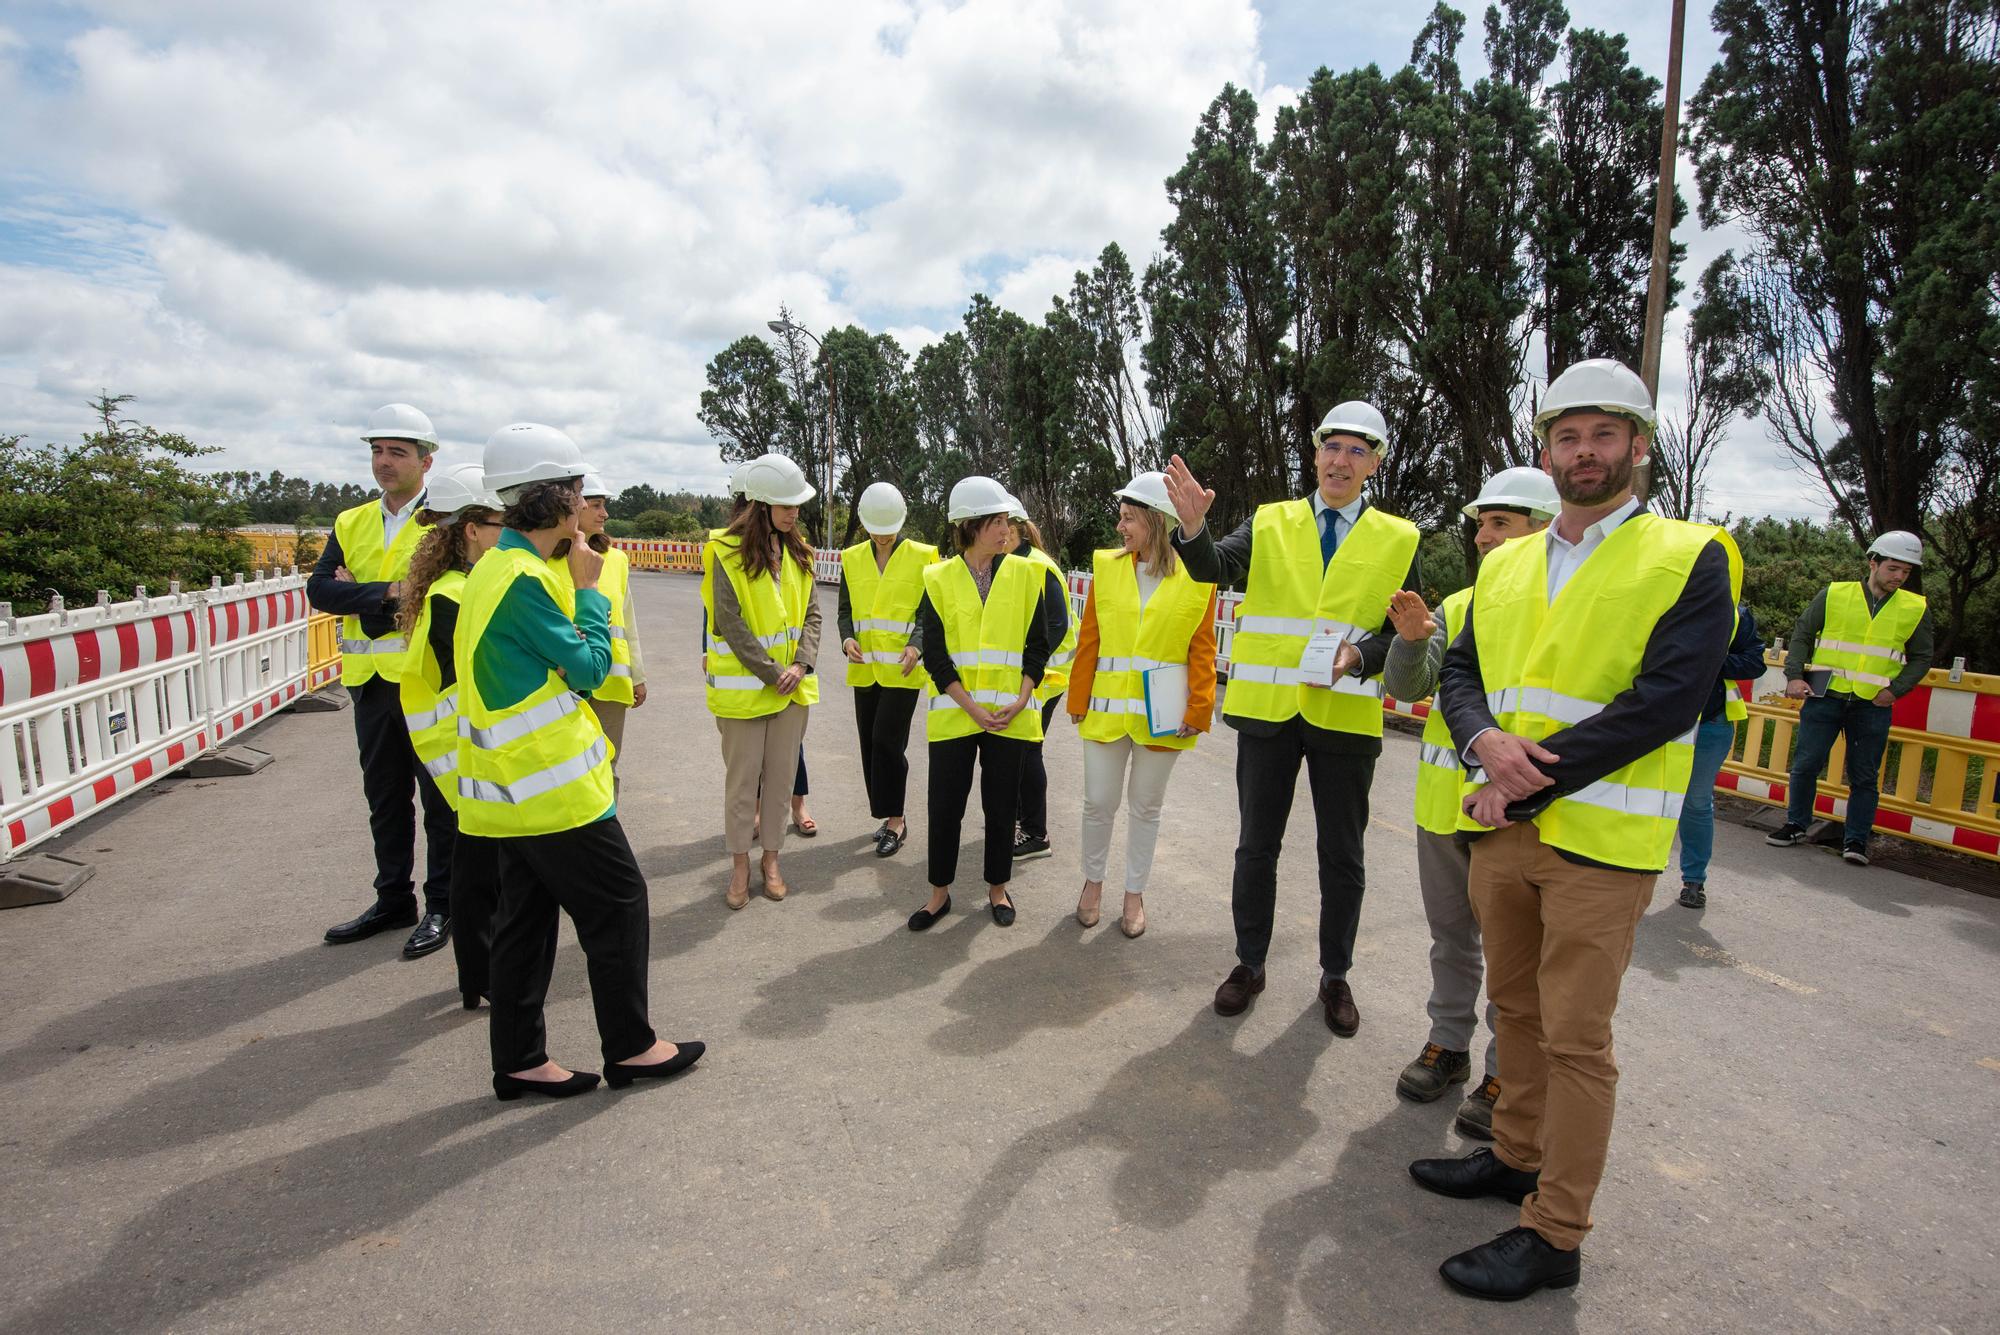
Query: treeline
x,y
1440,246
273,498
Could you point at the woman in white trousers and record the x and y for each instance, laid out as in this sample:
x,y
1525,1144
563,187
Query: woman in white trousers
x,y
1147,629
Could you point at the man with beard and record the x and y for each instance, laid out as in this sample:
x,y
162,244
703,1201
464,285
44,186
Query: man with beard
x,y
1585,659
1305,670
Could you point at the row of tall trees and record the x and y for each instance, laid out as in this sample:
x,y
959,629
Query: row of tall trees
x,y
273,498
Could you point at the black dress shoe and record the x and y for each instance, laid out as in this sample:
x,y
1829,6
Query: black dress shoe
x,y
1338,998
1003,914
889,843
1479,1173
1512,1266
380,917
431,934
507,1088
619,1074
923,919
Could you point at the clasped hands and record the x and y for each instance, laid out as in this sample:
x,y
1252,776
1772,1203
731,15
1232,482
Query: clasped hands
x,y
1511,775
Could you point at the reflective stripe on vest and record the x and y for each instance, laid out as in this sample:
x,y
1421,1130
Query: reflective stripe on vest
x,y
431,713
1549,665
990,637
1291,594
540,765
1440,777
1132,640
774,610
1865,652
359,532
447,708
883,602
615,584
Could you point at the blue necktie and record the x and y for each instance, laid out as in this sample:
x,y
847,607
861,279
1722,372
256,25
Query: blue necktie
x,y
1329,520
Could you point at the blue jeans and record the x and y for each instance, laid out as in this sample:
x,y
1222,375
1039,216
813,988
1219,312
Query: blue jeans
x,y
1712,741
1867,727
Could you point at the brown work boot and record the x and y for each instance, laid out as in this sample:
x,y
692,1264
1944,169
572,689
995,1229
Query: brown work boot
x,y
1233,997
1338,998
1435,1069
1475,1115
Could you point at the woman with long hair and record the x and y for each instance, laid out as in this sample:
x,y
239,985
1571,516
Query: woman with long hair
x,y
986,645
763,640
1032,840
465,520
1147,643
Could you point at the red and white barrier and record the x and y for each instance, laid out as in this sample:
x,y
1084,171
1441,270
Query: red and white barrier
x,y
99,702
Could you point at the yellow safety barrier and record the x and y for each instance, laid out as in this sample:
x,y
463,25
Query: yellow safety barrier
x,y
322,650
271,550
660,553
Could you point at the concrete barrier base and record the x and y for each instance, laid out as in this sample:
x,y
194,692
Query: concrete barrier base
x,y
228,762
326,700
41,879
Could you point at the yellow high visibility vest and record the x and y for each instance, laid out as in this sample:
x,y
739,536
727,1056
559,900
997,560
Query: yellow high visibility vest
x,y
615,583
1055,680
1865,652
1133,640
884,603
986,641
775,612
1548,666
1440,777
359,531
542,765
429,710
1290,597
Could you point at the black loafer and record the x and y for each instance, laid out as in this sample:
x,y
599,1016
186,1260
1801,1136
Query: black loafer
x,y
1512,1266
431,934
380,917
1003,914
1479,1173
923,920
889,843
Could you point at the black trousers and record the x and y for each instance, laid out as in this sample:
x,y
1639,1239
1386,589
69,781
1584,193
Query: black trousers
x,y
882,717
391,778
999,760
1035,781
1267,774
475,889
590,874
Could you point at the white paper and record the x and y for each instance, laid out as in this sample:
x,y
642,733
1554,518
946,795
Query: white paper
x,y
1316,663
1166,698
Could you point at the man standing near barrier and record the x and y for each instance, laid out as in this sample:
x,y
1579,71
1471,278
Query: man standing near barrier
x,y
1870,642
1515,502
359,578
1310,640
1585,658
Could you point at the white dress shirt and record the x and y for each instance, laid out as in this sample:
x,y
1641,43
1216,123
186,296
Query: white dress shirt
x,y
393,520
1566,558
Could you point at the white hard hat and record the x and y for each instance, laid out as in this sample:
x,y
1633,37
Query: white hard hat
x,y
1899,545
1150,490
399,421
1527,489
1602,384
1016,510
1355,418
882,509
459,488
528,452
776,480
976,497
593,485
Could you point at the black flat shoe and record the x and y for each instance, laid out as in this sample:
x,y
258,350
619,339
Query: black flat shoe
x,y
431,934
889,843
923,919
471,1000
1003,914
507,1088
618,1074
1479,1173
1512,1266
380,917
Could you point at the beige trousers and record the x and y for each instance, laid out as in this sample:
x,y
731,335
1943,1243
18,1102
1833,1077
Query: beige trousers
x,y
759,750
611,717
1558,937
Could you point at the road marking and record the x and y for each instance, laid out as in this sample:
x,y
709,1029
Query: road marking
x,y
1990,1063
1377,820
1765,975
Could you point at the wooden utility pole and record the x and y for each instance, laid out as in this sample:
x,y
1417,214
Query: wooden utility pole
x,y
1663,211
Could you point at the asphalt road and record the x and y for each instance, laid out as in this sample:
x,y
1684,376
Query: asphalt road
x,y
214,1122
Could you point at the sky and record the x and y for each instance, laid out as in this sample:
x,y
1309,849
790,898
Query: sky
x,y
263,221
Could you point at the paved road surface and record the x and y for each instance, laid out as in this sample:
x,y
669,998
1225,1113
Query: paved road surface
x,y
214,1122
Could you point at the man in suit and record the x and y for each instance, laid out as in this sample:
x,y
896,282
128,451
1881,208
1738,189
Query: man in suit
x,y
1306,656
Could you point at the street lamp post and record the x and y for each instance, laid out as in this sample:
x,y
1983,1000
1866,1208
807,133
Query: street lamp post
x,y
784,326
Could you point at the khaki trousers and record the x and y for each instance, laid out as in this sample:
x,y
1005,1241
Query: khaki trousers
x,y
1558,937
611,717
759,751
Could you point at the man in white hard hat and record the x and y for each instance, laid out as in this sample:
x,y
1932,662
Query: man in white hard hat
x,y
1514,503
1306,655
359,577
1864,644
1586,654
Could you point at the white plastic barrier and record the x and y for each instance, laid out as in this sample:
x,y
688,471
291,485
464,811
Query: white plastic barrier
x,y
98,702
